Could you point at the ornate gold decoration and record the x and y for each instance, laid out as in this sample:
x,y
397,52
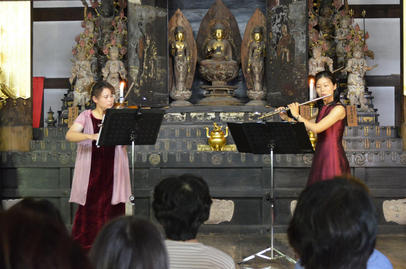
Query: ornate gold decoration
x,y
368,119
216,139
366,143
202,147
232,116
388,131
366,131
154,159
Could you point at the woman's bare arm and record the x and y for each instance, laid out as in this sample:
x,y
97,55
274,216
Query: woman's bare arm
x,y
75,134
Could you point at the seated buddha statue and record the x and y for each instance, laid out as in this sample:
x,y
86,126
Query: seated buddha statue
x,y
219,48
218,66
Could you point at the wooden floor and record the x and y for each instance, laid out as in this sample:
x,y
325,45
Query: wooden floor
x,y
240,246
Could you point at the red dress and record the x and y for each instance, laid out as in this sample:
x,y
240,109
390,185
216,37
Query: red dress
x,y
329,159
98,210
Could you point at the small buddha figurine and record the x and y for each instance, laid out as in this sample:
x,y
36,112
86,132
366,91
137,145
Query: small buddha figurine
x,y
318,63
181,64
219,48
114,70
356,68
256,55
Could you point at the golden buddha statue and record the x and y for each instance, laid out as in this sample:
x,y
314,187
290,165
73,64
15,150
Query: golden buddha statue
x,y
219,48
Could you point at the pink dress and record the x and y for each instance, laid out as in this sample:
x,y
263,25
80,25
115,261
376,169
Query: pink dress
x,y
100,184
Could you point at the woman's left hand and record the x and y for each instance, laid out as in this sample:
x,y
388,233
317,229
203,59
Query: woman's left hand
x,y
294,109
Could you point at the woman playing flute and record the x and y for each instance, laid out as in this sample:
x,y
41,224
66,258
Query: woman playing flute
x,y
329,159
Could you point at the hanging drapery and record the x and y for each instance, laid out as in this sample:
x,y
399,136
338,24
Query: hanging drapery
x,y
37,96
15,47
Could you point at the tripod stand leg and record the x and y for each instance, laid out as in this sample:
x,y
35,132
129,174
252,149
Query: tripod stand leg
x,y
278,254
129,207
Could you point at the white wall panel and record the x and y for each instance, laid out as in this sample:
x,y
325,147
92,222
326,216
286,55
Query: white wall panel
x,y
384,41
71,3
384,101
52,47
373,2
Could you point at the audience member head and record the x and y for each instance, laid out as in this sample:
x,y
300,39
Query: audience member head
x,y
31,239
334,225
41,208
129,243
181,204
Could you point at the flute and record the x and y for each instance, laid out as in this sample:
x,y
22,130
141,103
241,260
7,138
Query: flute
x,y
286,108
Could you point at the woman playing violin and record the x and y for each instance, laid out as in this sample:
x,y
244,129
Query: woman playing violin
x,y
101,179
329,159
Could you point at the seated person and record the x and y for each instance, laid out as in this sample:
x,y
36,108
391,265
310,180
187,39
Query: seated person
x,y
181,204
40,208
32,235
334,226
129,243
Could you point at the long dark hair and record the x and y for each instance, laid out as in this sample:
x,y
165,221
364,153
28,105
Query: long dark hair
x,y
129,243
331,77
33,236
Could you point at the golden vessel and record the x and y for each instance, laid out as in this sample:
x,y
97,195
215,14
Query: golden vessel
x,y
217,139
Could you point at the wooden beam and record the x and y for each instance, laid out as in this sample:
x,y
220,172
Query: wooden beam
x,y
58,14
376,11
383,81
56,83
76,13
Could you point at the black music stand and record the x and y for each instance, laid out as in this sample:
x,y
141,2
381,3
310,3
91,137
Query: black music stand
x,y
130,127
270,138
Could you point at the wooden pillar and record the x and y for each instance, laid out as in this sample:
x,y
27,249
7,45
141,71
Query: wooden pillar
x,y
403,126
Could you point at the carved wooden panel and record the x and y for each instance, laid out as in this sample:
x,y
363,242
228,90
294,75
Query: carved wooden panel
x,y
286,71
147,55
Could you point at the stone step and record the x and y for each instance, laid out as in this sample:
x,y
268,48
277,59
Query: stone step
x,y
371,131
193,143
373,144
195,159
197,131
